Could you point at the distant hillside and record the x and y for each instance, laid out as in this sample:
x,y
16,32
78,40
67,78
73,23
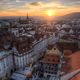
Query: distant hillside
x,y
75,15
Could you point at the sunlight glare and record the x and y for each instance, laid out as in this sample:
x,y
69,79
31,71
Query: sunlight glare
x,y
50,12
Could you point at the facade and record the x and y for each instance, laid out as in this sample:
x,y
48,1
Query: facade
x,y
50,64
6,64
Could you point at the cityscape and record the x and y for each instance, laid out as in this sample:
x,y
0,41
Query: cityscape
x,y
39,40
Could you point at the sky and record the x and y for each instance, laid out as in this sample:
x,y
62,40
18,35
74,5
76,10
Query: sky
x,y
38,7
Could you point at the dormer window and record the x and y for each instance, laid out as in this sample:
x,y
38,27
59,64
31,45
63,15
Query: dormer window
x,y
54,48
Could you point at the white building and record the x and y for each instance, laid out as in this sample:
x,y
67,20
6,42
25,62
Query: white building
x,y
71,31
6,64
62,33
65,26
15,31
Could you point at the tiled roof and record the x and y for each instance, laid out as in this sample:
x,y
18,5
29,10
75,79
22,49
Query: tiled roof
x,y
67,52
75,61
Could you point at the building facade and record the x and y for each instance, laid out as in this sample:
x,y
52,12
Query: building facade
x,y
6,64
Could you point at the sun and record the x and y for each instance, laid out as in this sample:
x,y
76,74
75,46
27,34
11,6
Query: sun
x,y
50,13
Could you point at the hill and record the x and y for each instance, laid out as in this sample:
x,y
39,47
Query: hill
x,y
75,15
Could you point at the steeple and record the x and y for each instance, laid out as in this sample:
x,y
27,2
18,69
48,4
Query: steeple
x,y
29,21
27,16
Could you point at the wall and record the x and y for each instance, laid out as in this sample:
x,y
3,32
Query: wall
x,y
6,65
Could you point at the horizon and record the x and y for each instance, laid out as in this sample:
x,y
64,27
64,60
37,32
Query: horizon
x,y
43,8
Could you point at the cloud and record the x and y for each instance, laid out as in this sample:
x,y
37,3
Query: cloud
x,y
25,4
36,4
55,8
43,6
70,2
10,5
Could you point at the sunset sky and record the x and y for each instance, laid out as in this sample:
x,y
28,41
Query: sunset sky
x,y
38,7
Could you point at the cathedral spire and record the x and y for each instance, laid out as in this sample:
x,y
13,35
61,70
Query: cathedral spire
x,y
27,16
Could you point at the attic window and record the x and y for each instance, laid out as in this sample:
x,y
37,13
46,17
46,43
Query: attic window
x,y
54,48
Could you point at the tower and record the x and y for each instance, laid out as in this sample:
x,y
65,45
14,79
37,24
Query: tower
x,y
27,16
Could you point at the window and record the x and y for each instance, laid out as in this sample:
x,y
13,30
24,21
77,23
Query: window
x,y
53,60
48,76
49,68
52,68
54,48
10,79
46,71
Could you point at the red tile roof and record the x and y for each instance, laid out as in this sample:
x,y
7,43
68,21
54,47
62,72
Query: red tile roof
x,y
67,52
75,61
